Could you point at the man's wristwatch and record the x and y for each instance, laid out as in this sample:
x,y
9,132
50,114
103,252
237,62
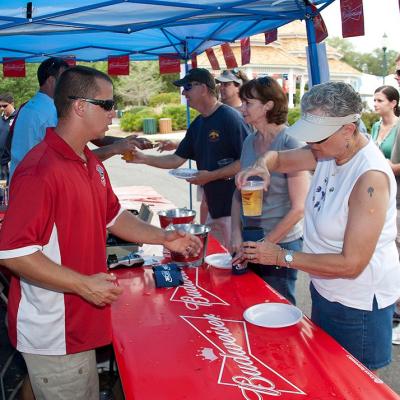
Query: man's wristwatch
x,y
288,257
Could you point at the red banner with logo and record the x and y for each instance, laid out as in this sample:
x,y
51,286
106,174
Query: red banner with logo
x,y
245,50
118,65
194,60
213,59
271,36
70,60
229,57
169,64
13,68
352,18
321,32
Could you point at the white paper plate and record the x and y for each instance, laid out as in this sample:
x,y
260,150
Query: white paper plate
x,y
273,315
184,173
219,260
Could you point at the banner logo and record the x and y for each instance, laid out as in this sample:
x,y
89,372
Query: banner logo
x,y
239,367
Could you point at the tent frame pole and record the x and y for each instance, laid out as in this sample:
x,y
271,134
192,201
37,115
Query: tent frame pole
x,y
312,48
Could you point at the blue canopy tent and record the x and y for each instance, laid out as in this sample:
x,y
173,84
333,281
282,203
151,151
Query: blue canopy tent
x,y
92,30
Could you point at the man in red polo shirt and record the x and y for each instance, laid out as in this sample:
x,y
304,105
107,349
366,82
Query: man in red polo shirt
x,y
53,240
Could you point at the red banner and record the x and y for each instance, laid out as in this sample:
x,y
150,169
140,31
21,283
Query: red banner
x,y
245,50
13,68
194,60
169,64
212,58
271,36
118,65
321,32
352,18
70,60
229,57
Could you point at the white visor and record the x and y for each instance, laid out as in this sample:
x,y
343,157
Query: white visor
x,y
313,128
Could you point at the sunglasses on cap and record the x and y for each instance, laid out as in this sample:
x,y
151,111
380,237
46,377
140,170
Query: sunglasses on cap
x,y
264,81
235,71
189,86
106,105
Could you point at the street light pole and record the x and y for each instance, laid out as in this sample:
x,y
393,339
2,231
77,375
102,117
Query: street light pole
x,y
384,48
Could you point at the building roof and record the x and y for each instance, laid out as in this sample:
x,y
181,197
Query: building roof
x,y
288,51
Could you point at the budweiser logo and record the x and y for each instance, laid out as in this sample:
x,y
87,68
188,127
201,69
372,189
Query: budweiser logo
x,y
116,64
364,369
239,367
352,14
165,62
193,295
14,67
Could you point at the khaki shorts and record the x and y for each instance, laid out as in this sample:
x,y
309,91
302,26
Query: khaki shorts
x,y
68,377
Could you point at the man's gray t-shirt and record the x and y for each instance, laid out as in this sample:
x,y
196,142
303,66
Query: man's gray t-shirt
x,y
276,201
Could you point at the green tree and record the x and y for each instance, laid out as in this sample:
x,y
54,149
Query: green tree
x,y
370,63
143,82
21,88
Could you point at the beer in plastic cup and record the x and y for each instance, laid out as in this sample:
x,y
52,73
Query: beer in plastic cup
x,y
252,198
128,156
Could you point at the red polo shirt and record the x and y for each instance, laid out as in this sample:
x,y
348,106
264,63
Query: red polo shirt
x,y
61,206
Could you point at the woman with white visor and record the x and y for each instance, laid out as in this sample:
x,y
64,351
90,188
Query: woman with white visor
x,y
349,223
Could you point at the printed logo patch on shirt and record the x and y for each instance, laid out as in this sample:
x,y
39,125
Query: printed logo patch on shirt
x,y
213,136
100,170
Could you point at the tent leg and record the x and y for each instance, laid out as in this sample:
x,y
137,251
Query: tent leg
x,y
312,48
187,126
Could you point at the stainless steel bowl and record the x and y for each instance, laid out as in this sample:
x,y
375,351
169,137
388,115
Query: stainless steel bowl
x,y
199,230
177,213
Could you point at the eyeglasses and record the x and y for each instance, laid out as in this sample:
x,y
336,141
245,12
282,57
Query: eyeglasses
x,y
324,140
320,141
397,72
4,105
189,86
106,105
264,81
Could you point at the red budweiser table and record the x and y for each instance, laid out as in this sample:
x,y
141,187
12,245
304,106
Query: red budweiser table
x,y
191,342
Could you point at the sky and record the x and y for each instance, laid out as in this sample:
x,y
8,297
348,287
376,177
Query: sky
x,y
380,16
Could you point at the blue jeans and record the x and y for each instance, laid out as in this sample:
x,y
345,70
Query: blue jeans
x,y
367,335
282,279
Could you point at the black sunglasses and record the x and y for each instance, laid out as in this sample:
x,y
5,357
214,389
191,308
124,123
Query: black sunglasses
x,y
397,72
4,105
106,105
189,86
320,141
235,71
264,81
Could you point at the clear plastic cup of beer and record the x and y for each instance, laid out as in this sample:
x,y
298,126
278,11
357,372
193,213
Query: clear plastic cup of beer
x,y
252,198
128,156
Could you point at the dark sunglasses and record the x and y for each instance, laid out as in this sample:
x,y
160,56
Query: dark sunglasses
x,y
189,86
235,71
4,105
264,81
397,72
106,105
320,141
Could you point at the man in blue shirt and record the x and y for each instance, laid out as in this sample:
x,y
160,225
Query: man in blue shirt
x,y
216,134
39,113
